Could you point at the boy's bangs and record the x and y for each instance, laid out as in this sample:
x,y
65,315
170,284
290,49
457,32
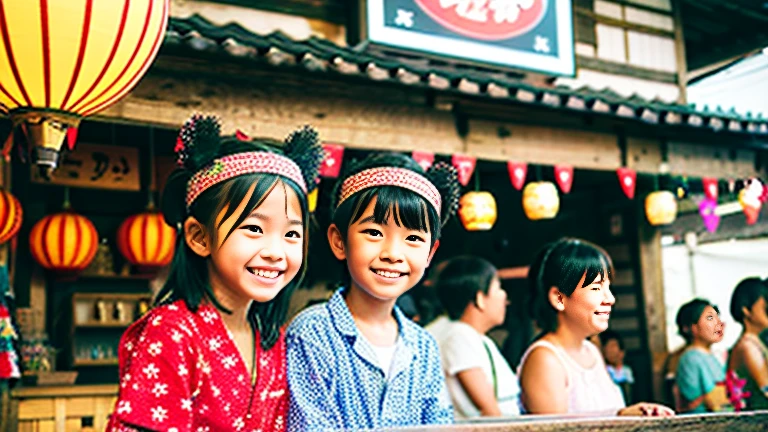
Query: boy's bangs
x,y
407,208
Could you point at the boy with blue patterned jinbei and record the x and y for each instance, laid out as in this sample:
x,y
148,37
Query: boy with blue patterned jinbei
x,y
357,362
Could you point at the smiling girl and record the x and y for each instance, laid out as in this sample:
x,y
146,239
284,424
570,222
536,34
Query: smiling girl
x,y
571,300
210,355
357,362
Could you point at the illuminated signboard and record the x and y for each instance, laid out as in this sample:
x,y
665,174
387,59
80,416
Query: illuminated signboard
x,y
525,34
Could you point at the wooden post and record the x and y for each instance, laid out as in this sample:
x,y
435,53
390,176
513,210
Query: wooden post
x,y
682,64
649,243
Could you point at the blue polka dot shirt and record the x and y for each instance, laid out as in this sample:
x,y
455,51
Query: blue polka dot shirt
x,y
336,382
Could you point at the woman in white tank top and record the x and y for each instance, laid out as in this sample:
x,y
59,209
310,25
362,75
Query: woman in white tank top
x,y
563,373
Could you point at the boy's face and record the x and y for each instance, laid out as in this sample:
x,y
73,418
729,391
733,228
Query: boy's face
x,y
613,353
384,260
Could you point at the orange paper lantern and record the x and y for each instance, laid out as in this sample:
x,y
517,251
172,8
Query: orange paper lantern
x,y
540,200
146,241
64,242
10,216
477,211
66,59
661,208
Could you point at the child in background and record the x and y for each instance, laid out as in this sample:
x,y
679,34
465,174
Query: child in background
x,y
210,355
612,347
357,362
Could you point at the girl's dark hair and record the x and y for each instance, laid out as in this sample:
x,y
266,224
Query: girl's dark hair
x,y
562,264
689,314
407,208
460,281
188,279
746,294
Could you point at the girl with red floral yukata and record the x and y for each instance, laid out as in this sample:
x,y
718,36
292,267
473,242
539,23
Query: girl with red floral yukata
x,y
210,356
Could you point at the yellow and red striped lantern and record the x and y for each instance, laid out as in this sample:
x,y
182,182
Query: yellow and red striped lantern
x,y
10,216
146,241
61,60
64,242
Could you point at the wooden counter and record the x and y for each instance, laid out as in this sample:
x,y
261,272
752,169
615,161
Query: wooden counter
x,y
61,408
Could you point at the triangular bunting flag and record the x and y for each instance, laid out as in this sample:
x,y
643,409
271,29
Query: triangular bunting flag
x,y
331,166
517,173
465,165
564,177
628,181
423,158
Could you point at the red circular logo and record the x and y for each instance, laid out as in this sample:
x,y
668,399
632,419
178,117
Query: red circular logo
x,y
486,19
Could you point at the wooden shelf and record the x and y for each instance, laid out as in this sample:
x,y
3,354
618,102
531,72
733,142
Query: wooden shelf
x,y
99,324
95,362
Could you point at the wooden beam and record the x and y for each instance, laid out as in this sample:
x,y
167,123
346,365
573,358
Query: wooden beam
x,y
262,108
623,24
625,69
680,61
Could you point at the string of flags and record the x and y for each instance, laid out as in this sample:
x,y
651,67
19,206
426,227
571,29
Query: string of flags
x,y
541,198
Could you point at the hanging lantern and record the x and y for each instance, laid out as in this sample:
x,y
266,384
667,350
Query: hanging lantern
x,y
10,216
64,243
661,208
750,198
146,241
540,200
67,59
477,211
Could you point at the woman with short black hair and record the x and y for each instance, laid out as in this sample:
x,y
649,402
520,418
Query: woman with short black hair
x,y
571,300
749,356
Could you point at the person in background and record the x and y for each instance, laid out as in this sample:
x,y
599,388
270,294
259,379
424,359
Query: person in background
x,y
699,371
562,372
749,356
612,347
479,379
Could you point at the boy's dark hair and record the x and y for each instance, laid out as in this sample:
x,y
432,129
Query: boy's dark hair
x,y
460,281
407,208
746,294
610,335
562,264
188,279
689,314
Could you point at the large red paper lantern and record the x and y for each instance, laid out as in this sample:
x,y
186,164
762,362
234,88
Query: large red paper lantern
x,y
63,60
64,243
10,216
146,241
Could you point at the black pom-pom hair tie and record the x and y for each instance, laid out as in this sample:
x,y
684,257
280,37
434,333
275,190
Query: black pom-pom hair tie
x,y
205,159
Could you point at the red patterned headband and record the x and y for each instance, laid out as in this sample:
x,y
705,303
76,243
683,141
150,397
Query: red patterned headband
x,y
227,167
388,176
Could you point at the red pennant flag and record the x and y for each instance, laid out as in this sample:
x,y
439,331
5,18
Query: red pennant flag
x,y
517,173
710,187
71,137
241,136
425,159
628,181
334,154
465,165
564,177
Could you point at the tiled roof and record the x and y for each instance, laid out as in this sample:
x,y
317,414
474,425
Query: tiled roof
x,y
322,56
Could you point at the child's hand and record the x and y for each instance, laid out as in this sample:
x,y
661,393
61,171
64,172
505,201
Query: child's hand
x,y
645,409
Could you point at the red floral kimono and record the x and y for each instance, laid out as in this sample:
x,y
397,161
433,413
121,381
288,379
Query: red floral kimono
x,y
181,371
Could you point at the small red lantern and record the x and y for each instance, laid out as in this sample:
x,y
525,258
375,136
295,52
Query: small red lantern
x,y
146,241
477,211
10,216
64,242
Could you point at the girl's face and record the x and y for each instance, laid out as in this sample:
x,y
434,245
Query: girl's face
x,y
384,260
264,253
589,307
708,329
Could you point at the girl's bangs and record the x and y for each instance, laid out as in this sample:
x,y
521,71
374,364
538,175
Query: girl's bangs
x,y
408,209
594,262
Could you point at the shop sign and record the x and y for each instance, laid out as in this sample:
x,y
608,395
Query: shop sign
x,y
524,34
95,166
